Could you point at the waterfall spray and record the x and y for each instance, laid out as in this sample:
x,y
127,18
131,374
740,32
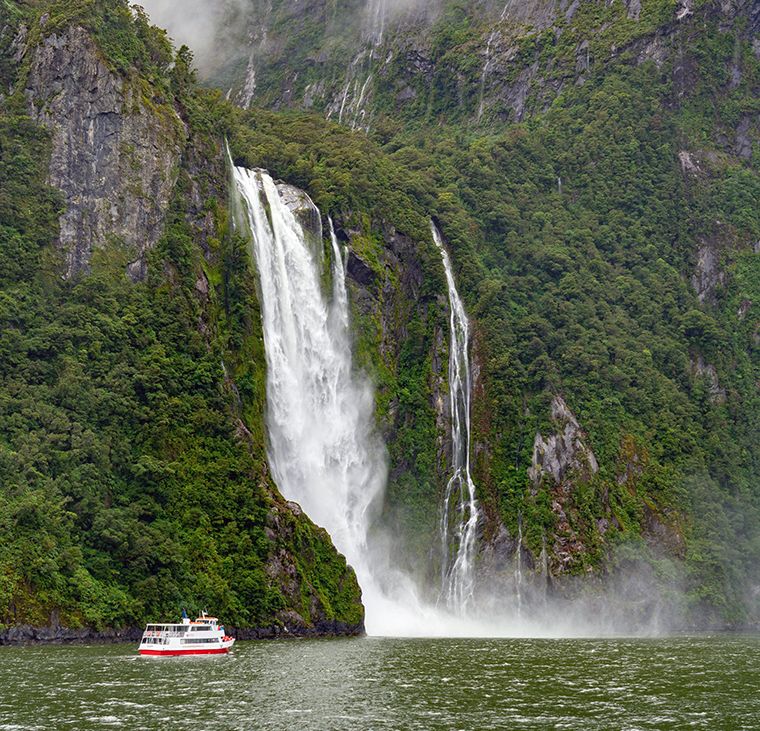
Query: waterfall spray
x,y
323,450
518,567
458,575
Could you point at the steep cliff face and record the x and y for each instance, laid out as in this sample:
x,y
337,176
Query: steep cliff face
x,y
487,62
149,354
401,317
114,157
605,252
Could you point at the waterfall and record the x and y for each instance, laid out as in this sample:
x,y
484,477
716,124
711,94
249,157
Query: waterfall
x,y
377,11
354,109
518,567
323,451
458,574
487,65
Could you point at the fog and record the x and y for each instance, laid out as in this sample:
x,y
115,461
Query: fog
x,y
196,24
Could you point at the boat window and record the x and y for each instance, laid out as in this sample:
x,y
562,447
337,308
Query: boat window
x,y
200,640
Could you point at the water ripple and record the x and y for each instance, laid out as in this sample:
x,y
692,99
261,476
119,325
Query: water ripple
x,y
385,684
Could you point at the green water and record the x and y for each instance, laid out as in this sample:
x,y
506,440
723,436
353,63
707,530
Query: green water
x,y
703,683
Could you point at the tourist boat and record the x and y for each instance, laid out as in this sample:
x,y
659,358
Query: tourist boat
x,y
204,636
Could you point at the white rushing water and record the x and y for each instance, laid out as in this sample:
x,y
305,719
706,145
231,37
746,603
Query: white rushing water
x,y
458,541
323,450
487,65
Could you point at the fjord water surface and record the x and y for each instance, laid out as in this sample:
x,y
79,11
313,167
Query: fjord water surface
x,y
377,684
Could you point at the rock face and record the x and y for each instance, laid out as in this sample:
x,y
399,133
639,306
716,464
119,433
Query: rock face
x,y
386,287
701,369
558,461
305,212
384,57
563,452
708,275
114,158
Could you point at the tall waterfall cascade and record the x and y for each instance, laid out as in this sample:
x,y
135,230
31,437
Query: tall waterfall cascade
x,y
458,531
323,449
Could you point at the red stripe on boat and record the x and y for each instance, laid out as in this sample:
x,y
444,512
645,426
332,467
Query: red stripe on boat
x,y
167,653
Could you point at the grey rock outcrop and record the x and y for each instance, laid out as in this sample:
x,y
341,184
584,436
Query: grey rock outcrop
x,y
305,213
688,164
114,157
563,452
634,8
708,275
707,371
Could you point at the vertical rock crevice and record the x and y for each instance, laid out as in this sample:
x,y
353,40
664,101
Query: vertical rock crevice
x,y
114,156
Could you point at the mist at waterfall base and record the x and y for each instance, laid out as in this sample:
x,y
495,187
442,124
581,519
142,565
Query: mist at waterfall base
x,y
326,455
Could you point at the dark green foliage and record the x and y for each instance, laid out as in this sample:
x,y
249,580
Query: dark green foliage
x,y
575,239
575,235
130,485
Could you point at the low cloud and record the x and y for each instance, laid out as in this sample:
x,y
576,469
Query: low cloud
x,y
196,24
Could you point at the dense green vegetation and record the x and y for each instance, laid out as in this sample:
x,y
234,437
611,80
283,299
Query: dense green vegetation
x,y
127,487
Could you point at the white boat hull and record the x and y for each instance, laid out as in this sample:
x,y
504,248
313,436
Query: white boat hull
x,y
169,651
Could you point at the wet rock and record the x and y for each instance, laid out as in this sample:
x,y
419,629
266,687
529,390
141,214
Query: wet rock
x,y
18,46
708,275
113,157
564,452
202,285
744,308
323,628
743,144
56,635
684,9
406,94
572,10
304,210
359,270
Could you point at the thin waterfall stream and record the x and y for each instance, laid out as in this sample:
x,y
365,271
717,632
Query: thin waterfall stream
x,y
458,571
488,60
323,448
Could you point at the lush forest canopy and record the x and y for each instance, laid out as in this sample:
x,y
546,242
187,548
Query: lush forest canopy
x,y
575,236
126,491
